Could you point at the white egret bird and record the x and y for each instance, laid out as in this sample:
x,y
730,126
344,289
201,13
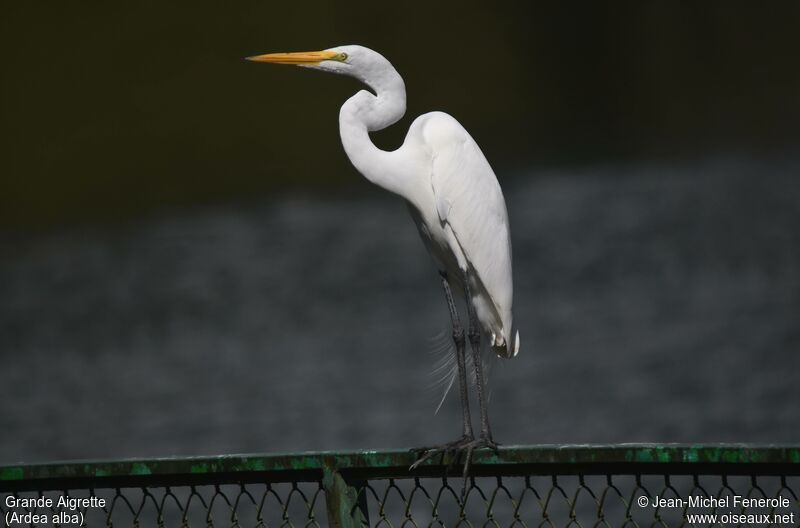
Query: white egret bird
x,y
455,201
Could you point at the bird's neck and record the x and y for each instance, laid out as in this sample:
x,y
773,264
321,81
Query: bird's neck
x,y
366,112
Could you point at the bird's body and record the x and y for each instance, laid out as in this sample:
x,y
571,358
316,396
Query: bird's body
x,y
452,193
461,216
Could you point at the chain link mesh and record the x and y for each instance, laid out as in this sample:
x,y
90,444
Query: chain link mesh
x,y
573,500
524,501
296,504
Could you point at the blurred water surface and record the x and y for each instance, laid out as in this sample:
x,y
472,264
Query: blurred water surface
x,y
655,303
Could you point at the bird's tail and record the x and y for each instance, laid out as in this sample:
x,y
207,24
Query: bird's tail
x,y
505,347
445,368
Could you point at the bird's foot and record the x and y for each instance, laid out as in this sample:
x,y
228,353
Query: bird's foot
x,y
487,442
445,449
464,445
484,442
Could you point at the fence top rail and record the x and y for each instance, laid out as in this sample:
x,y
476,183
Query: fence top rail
x,y
508,460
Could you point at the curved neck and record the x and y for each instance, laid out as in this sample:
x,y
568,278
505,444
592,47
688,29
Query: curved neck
x,y
366,112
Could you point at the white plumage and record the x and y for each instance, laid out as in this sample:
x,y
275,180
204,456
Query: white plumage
x,y
472,212
451,190
442,173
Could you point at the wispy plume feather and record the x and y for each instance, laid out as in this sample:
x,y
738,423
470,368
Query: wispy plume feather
x,y
445,367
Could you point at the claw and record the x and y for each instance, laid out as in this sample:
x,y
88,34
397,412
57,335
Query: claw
x,y
481,443
444,449
428,455
468,459
464,445
488,443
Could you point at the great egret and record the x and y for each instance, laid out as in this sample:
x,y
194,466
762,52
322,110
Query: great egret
x,y
454,199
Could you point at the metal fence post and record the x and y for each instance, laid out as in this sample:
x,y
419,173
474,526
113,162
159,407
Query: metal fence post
x,y
346,502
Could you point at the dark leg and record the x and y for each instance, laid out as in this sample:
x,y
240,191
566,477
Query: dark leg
x,y
458,339
474,334
467,436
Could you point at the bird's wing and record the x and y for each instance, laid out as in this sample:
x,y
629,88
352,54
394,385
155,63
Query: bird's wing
x,y
470,202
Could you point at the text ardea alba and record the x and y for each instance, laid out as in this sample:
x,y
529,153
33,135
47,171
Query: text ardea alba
x,y
454,199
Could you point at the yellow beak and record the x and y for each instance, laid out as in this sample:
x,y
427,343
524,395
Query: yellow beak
x,y
302,57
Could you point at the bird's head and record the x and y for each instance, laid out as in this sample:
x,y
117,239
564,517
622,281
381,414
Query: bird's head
x,y
362,63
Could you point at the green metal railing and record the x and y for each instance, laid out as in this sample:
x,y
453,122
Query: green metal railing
x,y
517,486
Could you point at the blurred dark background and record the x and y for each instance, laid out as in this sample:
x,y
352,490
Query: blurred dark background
x,y
190,264
114,109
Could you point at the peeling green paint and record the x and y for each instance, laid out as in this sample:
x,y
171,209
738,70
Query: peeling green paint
x,y
198,468
141,468
12,473
396,462
254,464
343,475
341,500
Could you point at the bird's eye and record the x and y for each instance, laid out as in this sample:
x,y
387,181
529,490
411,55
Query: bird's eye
x,y
342,56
